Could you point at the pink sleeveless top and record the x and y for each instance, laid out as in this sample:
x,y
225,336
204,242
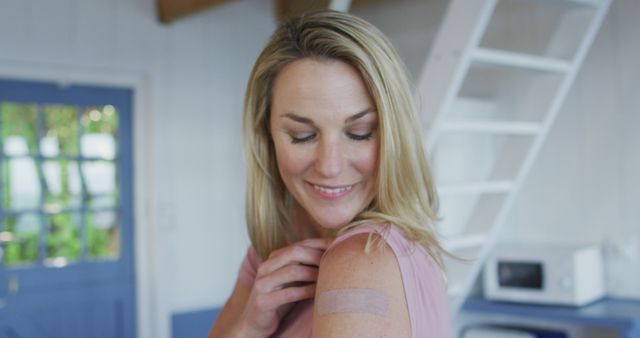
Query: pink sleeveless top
x,y
424,288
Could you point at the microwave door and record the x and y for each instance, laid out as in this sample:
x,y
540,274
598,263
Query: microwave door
x,y
520,275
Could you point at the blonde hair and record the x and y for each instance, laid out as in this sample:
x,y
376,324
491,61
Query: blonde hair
x,y
405,193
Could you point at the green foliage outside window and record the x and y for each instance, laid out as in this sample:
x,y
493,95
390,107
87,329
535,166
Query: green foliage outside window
x,y
23,252
61,124
102,242
63,241
23,249
19,120
103,120
63,237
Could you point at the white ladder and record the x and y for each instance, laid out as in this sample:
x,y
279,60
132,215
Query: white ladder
x,y
496,77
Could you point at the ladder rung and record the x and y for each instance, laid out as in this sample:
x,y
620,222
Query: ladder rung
x,y
476,188
464,242
494,127
519,60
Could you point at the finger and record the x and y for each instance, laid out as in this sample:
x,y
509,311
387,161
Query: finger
x,y
314,243
317,243
273,300
286,275
285,309
293,254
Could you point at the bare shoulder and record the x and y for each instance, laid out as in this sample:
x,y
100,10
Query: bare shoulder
x,y
347,264
348,271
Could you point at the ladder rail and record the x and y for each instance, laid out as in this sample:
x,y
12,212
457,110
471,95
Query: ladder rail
x,y
554,109
439,95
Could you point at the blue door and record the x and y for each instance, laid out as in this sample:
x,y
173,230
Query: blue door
x,y
66,216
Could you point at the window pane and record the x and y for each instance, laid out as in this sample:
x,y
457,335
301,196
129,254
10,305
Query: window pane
x,y
108,201
103,234
21,189
18,125
20,238
100,129
61,131
99,177
63,239
63,184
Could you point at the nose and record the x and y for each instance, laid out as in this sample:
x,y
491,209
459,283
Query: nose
x,y
329,158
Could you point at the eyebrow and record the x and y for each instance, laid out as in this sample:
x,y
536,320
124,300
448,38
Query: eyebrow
x,y
307,120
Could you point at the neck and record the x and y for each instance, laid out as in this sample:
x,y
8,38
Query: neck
x,y
306,226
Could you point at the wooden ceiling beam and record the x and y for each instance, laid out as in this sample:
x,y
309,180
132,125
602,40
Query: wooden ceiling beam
x,y
293,8
170,10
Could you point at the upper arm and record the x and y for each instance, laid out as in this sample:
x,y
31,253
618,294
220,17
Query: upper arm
x,y
347,266
231,310
234,307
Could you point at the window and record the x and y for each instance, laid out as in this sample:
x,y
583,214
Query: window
x,y
59,181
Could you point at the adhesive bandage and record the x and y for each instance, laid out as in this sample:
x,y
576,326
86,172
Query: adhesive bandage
x,y
353,301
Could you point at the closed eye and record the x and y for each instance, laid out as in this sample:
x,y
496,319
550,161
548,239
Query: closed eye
x,y
310,137
303,139
360,137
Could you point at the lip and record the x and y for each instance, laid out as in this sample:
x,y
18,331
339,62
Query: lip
x,y
321,191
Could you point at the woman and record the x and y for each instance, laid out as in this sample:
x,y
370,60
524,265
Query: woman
x,y
340,202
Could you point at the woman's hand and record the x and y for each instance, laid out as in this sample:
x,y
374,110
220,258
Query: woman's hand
x,y
289,275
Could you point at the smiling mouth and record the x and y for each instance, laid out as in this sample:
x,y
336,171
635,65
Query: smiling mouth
x,y
332,192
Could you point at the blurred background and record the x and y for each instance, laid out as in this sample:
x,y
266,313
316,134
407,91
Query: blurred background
x,y
122,173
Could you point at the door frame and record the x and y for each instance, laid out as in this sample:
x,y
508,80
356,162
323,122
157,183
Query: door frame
x,y
151,289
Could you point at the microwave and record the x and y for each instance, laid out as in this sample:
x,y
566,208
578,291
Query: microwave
x,y
545,273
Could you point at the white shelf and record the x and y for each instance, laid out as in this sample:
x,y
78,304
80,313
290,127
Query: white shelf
x,y
491,187
493,127
519,60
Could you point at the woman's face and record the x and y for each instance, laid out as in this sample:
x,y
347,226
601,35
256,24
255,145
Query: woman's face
x,y
325,130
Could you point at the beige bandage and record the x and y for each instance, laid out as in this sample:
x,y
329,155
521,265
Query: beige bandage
x,y
354,301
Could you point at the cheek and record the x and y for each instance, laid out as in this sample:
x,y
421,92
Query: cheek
x,y
366,159
290,161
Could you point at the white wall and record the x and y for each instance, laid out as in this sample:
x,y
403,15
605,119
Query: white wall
x,y
194,74
410,25
585,185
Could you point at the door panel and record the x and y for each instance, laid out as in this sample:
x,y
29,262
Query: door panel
x,y
69,313
66,221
